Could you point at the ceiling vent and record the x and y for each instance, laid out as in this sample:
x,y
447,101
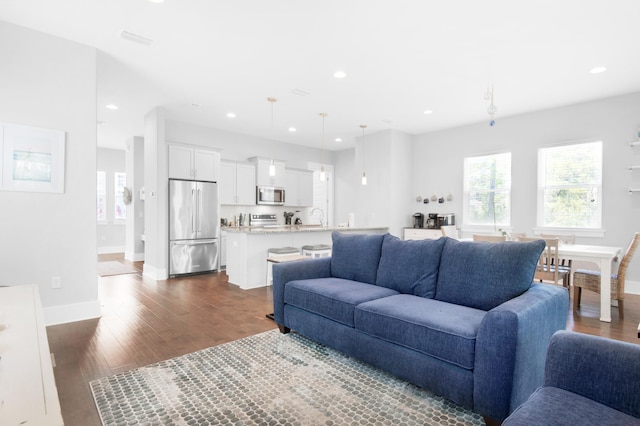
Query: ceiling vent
x,y
136,38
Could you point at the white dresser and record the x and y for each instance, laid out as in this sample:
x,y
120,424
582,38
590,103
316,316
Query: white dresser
x,y
28,394
421,234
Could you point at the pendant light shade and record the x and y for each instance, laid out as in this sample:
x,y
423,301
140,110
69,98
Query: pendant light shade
x,y
272,166
323,175
364,175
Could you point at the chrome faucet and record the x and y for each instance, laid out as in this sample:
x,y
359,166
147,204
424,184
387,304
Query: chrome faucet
x,y
321,215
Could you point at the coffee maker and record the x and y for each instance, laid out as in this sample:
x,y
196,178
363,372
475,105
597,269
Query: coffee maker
x,y
418,220
432,221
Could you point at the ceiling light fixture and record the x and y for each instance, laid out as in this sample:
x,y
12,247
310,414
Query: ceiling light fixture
x,y
323,175
428,112
111,106
491,109
272,166
364,175
338,139
339,74
598,70
292,129
156,1
231,115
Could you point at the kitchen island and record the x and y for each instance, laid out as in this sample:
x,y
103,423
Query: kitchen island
x,y
247,247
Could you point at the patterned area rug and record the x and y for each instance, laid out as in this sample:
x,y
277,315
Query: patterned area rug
x,y
269,379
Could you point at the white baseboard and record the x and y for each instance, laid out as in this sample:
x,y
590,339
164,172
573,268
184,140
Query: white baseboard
x,y
133,257
154,273
110,249
632,287
71,313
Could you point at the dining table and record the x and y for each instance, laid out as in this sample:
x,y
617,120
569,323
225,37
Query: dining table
x,y
603,257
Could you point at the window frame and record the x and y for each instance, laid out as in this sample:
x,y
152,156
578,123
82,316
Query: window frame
x,y
101,219
118,197
466,203
583,231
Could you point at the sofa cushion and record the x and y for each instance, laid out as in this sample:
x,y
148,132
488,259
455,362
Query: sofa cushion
x,y
554,406
484,275
411,266
333,298
356,256
439,329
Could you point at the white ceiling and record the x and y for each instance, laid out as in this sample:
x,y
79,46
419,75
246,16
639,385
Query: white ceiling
x,y
401,57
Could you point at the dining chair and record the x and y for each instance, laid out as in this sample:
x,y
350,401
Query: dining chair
x,y
449,231
564,264
547,269
590,280
489,238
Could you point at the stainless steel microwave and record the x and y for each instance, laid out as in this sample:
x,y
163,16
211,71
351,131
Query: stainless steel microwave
x,y
270,195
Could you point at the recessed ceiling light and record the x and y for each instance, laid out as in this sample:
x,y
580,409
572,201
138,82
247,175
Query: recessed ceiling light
x,y
598,70
111,106
231,115
156,1
428,111
339,74
292,129
338,139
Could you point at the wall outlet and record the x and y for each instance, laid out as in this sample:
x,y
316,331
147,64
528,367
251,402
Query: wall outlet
x,y
56,282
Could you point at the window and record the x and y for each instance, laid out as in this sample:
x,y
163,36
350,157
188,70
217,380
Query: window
x,y
570,186
120,181
101,196
487,190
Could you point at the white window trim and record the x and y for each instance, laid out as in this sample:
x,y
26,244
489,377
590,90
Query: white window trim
x,y
578,232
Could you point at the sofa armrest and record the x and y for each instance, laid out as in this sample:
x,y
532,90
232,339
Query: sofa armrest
x,y
603,370
511,348
290,271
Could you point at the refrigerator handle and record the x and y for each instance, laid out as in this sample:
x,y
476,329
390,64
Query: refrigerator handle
x,y
198,209
193,216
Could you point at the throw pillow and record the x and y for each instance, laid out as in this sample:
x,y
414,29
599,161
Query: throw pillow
x,y
484,275
411,266
355,256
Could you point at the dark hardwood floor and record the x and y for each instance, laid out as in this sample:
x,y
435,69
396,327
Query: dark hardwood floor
x,y
145,321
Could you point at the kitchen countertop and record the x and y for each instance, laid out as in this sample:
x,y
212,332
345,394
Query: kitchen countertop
x,y
271,229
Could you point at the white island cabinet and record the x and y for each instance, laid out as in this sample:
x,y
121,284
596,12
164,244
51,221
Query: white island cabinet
x,y
247,248
28,391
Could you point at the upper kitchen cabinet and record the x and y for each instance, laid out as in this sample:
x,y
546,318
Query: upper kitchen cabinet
x,y
262,172
237,185
192,163
298,188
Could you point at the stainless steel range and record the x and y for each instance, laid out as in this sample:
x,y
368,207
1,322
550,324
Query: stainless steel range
x,y
263,220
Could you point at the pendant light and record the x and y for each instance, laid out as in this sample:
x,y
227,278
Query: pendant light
x,y
323,175
364,175
272,166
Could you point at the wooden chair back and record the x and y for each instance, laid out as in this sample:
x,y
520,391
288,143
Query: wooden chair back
x,y
547,269
449,231
489,238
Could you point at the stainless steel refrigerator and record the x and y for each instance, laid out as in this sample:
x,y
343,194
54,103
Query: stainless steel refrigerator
x,y
194,226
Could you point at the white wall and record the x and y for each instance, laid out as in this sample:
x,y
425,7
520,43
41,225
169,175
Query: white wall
x,y
438,162
387,195
51,83
111,234
134,249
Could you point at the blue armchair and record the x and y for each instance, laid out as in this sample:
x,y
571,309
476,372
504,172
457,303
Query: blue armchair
x,y
588,380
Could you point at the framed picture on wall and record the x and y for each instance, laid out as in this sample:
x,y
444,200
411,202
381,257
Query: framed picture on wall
x,y
32,159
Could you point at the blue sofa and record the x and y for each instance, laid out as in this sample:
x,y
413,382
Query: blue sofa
x,y
588,380
461,319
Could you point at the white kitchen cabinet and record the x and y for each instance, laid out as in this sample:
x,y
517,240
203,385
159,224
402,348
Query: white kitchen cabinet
x,y
192,163
223,251
298,188
422,234
262,172
237,184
